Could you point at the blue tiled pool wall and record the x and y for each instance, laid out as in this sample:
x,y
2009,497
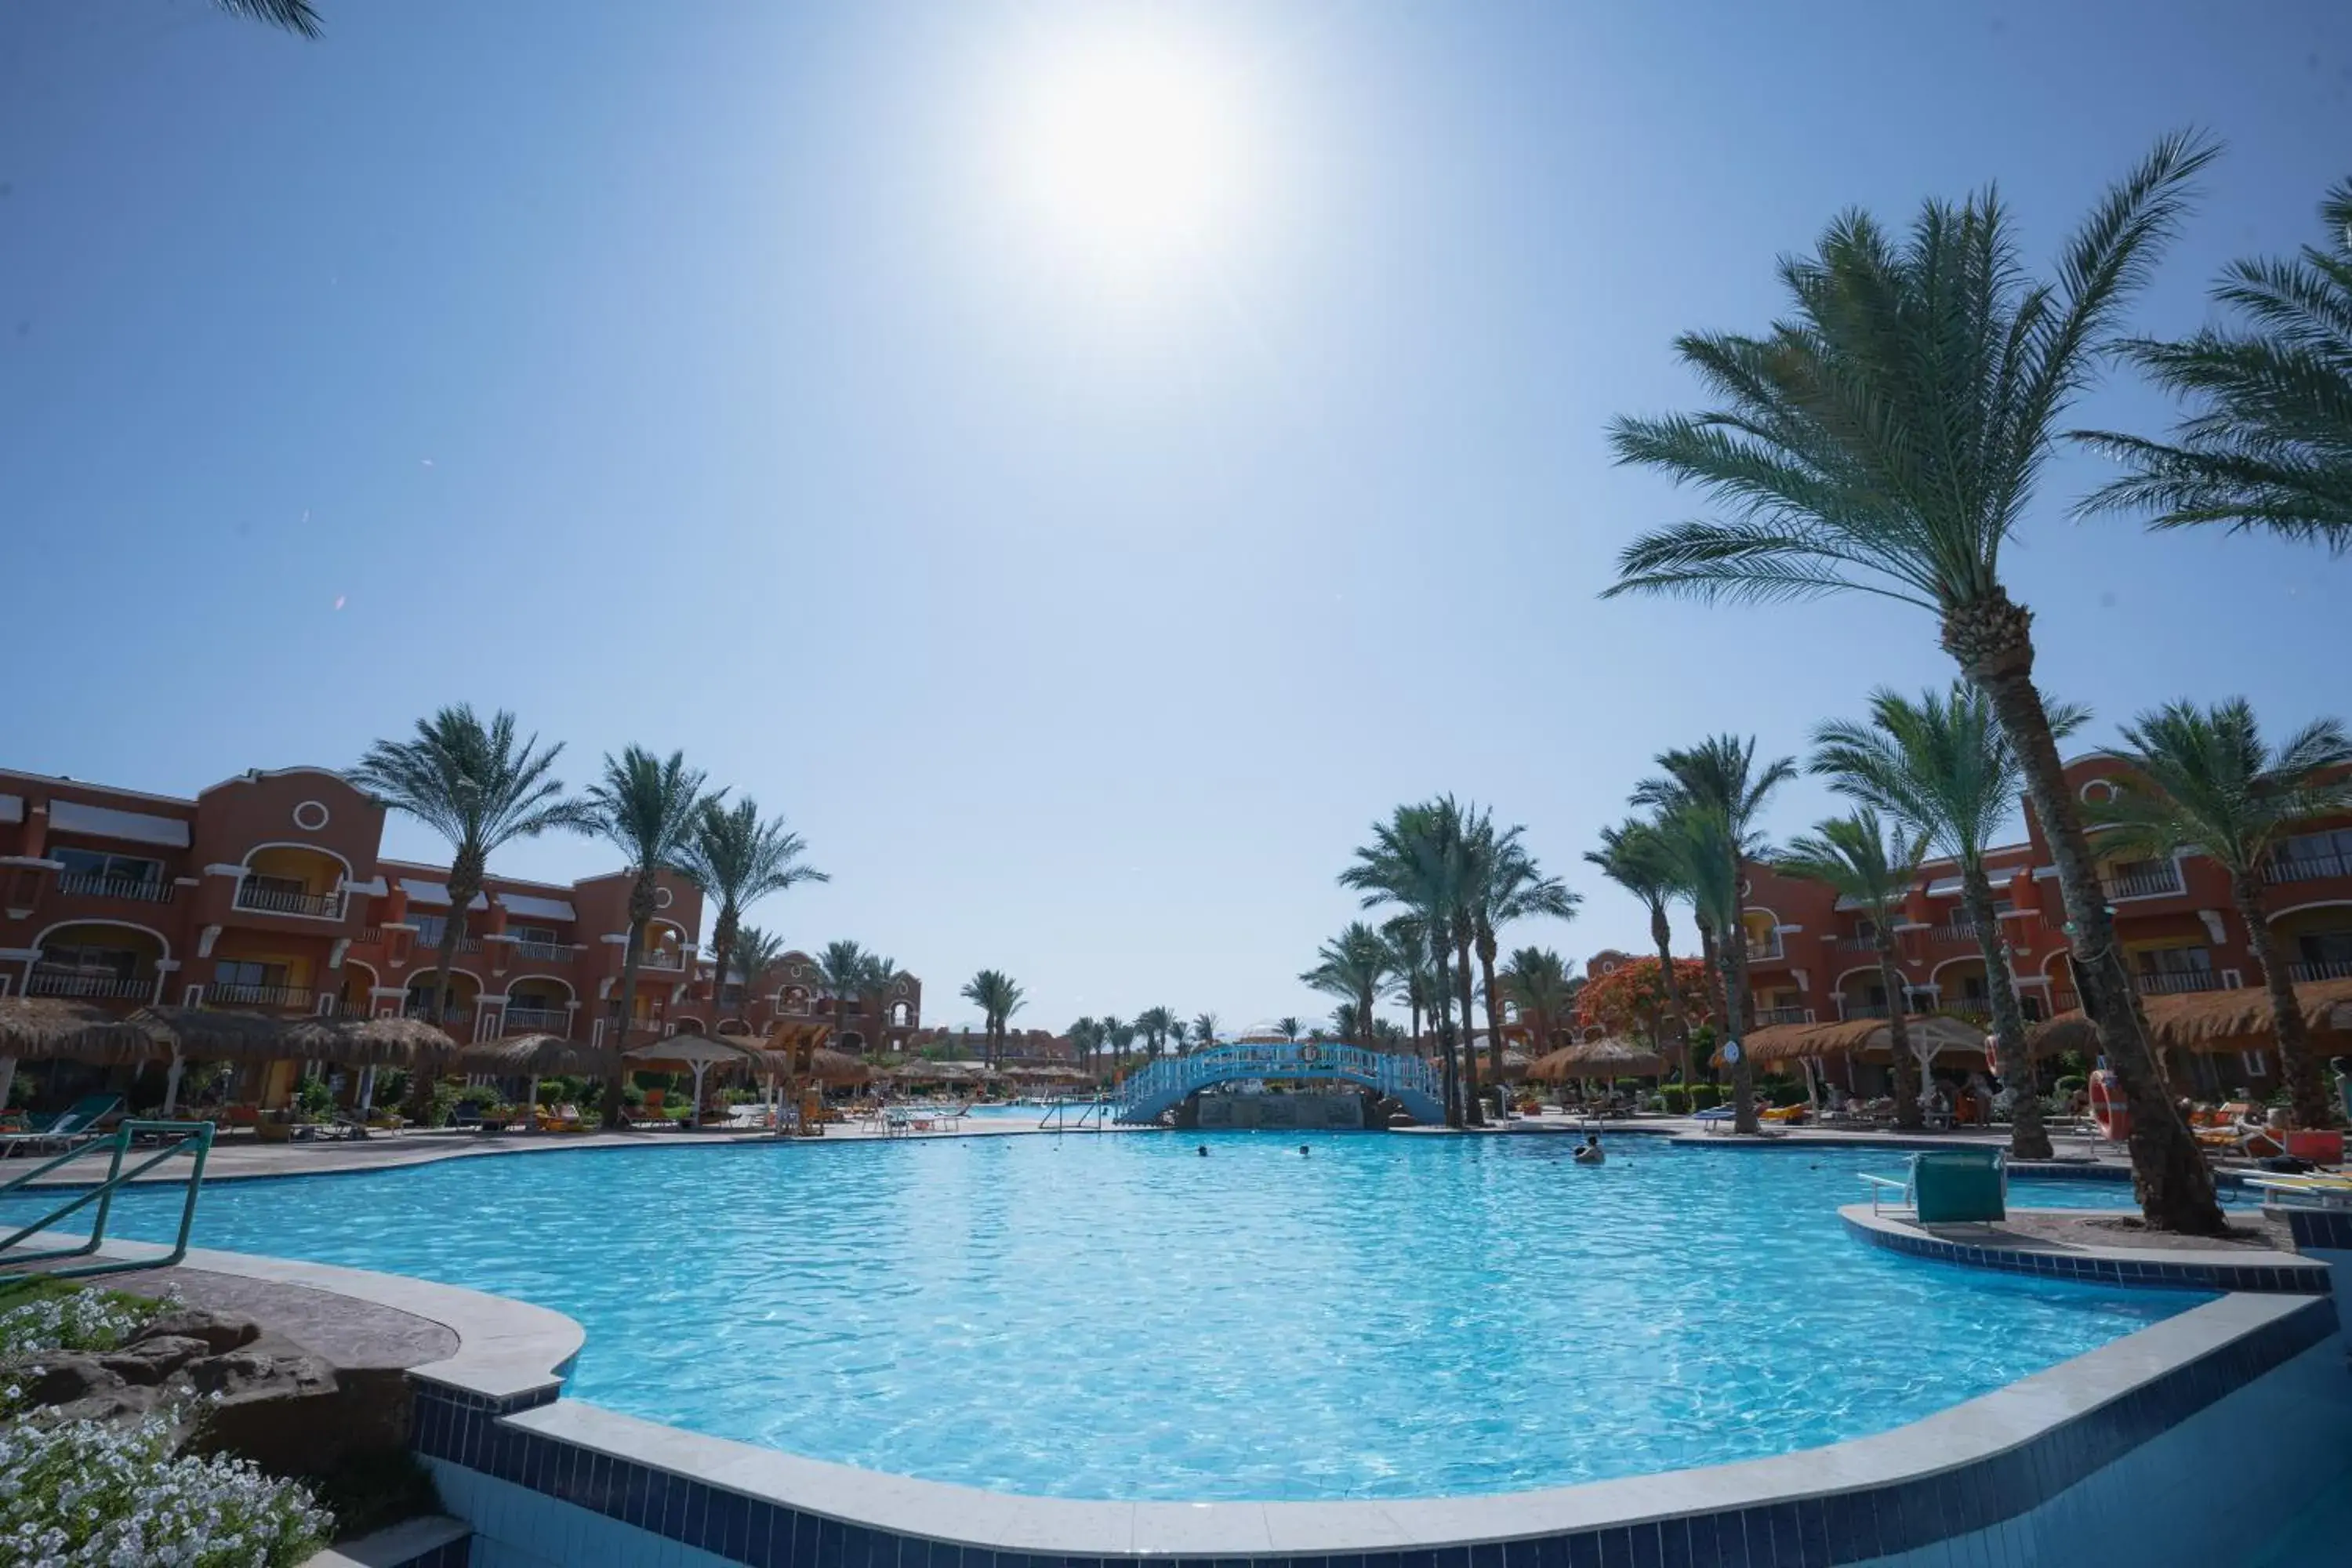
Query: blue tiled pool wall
x,y
535,1499
2221,1277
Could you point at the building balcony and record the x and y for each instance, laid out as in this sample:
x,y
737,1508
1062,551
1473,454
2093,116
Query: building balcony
x,y
424,1013
271,901
1957,933
1766,950
666,960
1866,1010
2163,883
2325,969
1766,1016
545,951
279,996
2305,868
93,987
2181,983
87,885
1854,944
536,1021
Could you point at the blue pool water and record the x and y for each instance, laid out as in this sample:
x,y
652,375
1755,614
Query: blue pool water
x,y
1119,1317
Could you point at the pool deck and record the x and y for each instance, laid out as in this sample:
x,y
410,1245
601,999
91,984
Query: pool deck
x,y
2054,1243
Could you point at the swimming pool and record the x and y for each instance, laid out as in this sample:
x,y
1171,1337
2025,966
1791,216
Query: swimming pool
x,y
1119,1318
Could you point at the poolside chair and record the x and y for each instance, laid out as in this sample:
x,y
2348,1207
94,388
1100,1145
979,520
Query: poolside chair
x,y
76,1124
565,1118
1957,1186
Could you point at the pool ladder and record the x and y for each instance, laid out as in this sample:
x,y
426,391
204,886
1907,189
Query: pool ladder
x,y
193,1139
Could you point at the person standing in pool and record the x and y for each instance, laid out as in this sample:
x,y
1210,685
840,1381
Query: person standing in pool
x,y
1590,1151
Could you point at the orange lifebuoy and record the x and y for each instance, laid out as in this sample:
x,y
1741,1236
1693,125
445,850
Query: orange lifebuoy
x,y
2108,1107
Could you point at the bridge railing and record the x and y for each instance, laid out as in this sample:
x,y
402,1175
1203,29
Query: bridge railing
x,y
1172,1078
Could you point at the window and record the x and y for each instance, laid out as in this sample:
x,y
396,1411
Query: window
x,y
293,886
1866,931
2175,960
429,929
543,935
1974,990
2332,850
98,866
2254,1063
88,960
2325,946
248,973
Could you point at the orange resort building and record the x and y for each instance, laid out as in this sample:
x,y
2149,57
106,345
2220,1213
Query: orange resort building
x,y
267,892
1812,957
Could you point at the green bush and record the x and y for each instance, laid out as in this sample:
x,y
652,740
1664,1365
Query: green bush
x,y
1705,1096
314,1100
1675,1098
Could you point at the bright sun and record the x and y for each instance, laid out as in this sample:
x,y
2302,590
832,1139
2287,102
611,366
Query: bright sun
x,y
1130,151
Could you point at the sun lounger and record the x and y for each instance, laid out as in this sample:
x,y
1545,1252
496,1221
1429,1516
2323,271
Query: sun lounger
x,y
565,1118
76,1124
2306,1190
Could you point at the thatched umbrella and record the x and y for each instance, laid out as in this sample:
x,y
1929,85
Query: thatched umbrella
x,y
1609,1058
697,1052
227,1035
53,1028
536,1056
2215,1022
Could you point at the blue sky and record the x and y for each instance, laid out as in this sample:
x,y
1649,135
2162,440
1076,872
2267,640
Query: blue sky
x,y
712,378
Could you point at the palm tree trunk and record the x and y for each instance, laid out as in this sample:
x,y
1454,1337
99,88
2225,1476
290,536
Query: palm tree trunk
x,y
722,947
464,881
1739,1009
640,898
2028,1139
1494,1008
1368,1039
1711,959
1441,1019
1995,647
1679,1026
1908,1111
2305,1090
1474,1114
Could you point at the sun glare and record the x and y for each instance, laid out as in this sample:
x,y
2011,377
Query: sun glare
x,y
1130,151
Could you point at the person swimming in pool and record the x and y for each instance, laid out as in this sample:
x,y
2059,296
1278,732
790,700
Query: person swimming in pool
x,y
1590,1151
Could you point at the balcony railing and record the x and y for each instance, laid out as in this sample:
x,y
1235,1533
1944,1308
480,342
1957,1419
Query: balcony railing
x,y
2163,883
430,942
370,936
2324,969
95,885
1973,1009
1866,1010
456,1012
259,996
137,987
2305,868
2180,982
1766,950
1854,944
1956,931
1768,1015
545,951
661,960
536,1021
270,900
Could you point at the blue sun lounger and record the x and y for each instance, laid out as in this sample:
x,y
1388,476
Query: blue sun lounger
x,y
76,1124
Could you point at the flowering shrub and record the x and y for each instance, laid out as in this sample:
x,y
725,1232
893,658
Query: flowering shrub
x,y
77,1320
85,1493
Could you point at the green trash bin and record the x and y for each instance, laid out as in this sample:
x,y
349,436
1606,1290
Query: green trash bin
x,y
1957,1185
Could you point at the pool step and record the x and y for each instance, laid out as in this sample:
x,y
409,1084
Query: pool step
x,y
433,1542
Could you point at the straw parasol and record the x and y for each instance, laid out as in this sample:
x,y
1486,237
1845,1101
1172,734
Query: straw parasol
x,y
537,1057
1609,1058
228,1034
2211,1021
48,1027
697,1052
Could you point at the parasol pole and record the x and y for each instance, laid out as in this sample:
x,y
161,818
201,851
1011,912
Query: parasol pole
x,y
172,1081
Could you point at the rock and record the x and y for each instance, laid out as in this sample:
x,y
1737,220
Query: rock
x,y
237,1371
246,1375
150,1361
122,1404
62,1377
219,1332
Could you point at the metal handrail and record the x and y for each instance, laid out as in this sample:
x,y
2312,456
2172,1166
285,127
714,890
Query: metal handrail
x,y
193,1138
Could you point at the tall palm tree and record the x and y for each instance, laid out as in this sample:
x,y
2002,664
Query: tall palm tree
x,y
873,989
294,15
998,996
841,970
1857,857
1512,887
1419,858
1177,1029
1204,1031
1154,1022
1719,791
1085,1035
1107,1033
738,860
2205,779
2268,442
1942,768
1353,966
1536,981
1886,438
1636,856
1122,1040
1289,1029
1413,979
756,951
647,808
480,788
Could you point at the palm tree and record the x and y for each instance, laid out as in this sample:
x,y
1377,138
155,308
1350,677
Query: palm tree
x,y
1154,1022
1353,966
1085,1035
1289,1029
2269,442
294,15
480,788
998,996
1413,978
1513,887
1855,857
1419,858
1942,768
1107,1032
738,859
1636,856
756,951
1719,791
1536,981
1204,1031
1886,438
841,970
649,809
1122,1040
2204,779
1177,1031
873,988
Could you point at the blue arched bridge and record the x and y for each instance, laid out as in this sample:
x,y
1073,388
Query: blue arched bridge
x,y
1165,1084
